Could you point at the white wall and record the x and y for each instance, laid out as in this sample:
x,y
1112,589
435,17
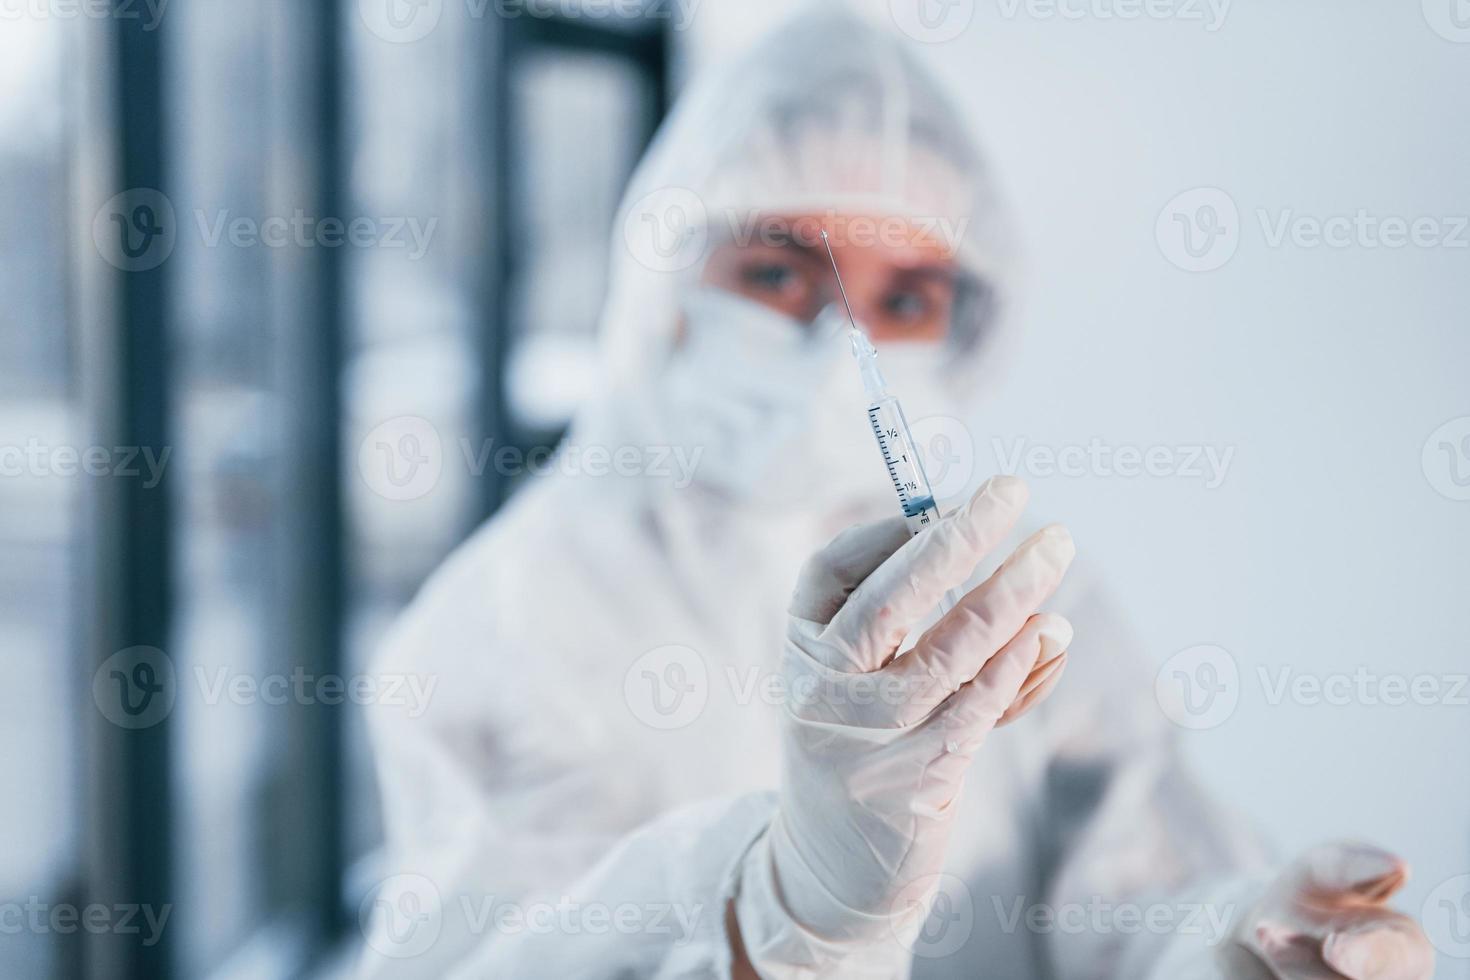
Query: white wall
x,y
1325,370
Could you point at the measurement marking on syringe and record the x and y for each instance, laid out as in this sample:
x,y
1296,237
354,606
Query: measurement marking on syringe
x,y
888,459
892,444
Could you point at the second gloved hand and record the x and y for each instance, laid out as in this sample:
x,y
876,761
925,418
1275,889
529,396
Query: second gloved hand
x,y
1328,917
876,744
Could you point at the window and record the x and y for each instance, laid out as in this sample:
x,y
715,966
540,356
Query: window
x,y
38,491
264,367
229,745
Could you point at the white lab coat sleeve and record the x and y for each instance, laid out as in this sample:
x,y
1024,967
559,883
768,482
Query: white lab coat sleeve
x,y
1144,877
511,856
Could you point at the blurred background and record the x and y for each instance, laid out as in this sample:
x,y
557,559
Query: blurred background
x,y
1166,164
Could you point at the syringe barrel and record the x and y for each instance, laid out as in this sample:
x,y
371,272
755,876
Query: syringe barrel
x,y
901,457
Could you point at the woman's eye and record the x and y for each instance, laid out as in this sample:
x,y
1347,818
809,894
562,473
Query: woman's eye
x,y
770,277
906,306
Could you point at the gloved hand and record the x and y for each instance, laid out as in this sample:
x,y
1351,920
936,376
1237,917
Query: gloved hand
x,y
1327,917
876,745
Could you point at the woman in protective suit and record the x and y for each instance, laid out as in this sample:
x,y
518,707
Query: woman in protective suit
x,y
686,728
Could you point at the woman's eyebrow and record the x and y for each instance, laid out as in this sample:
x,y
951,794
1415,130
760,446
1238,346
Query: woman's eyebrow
x,y
785,238
927,272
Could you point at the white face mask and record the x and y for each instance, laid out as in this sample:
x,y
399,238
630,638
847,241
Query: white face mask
x,y
775,408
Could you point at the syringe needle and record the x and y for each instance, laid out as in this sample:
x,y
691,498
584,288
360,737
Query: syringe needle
x,y
840,288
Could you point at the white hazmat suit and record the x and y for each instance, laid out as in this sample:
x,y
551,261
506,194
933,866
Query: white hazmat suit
x,y
602,754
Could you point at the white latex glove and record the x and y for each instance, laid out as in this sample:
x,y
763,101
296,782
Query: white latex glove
x,y
1327,917
876,745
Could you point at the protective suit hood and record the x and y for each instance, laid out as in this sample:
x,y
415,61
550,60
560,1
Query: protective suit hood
x,y
828,114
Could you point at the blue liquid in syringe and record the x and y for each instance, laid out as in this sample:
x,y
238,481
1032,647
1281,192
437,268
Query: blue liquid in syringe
x,y
915,506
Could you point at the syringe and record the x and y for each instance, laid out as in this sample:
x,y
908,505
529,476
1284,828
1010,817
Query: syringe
x,y
890,428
